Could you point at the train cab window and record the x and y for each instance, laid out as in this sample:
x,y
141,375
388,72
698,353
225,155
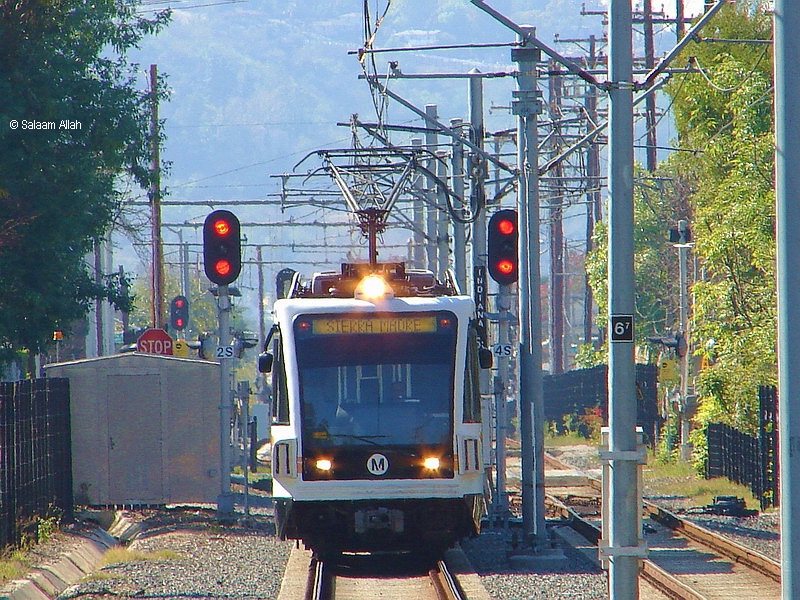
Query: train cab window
x,y
472,385
280,394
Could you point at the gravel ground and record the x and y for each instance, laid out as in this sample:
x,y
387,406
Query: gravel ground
x,y
246,561
574,578
191,555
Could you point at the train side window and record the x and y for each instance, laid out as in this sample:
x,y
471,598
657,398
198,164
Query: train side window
x,y
280,392
472,386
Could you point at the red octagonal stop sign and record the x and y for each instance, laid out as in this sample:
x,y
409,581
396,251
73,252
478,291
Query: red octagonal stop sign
x,y
155,341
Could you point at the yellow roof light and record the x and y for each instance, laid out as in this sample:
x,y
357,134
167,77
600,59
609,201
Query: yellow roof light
x,y
373,287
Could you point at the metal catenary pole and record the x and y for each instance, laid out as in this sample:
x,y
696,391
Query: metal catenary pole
x,y
459,229
787,193
431,143
225,499
623,551
527,107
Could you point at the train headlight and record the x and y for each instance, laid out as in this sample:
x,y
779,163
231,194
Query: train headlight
x,y
324,464
373,287
431,463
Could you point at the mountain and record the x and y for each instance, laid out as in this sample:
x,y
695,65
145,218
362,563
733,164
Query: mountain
x,y
257,85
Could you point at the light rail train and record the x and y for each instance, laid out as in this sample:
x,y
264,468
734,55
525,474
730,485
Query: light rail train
x,y
376,433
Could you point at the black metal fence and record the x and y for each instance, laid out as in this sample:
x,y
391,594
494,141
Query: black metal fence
x,y
573,392
35,456
745,459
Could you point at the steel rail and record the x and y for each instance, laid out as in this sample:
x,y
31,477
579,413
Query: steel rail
x,y
445,584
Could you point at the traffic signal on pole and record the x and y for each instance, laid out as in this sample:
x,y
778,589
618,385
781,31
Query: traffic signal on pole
x,y
502,242
179,313
222,248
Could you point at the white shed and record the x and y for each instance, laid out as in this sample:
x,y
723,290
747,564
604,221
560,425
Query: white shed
x,y
145,429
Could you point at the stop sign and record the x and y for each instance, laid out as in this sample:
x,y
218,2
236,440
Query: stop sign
x,y
155,341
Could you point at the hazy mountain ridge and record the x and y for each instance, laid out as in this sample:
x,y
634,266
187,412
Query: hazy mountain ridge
x,y
257,85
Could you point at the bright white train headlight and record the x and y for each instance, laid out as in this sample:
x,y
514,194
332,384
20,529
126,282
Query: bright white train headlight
x,y
431,463
373,287
323,464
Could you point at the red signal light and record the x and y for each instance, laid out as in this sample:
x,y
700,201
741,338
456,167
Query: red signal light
x,y
222,227
502,246
179,313
222,267
506,226
222,249
505,266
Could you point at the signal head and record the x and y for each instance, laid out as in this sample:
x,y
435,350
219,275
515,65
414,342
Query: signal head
x,y
179,313
222,250
502,243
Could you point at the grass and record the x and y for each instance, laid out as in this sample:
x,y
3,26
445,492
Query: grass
x,y
671,478
16,565
13,566
680,479
568,439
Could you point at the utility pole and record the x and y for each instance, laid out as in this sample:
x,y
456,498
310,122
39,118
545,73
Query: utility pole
x,y
459,228
787,194
431,144
157,296
679,20
683,246
650,101
262,329
556,312
594,200
418,214
623,551
527,107
477,170
225,500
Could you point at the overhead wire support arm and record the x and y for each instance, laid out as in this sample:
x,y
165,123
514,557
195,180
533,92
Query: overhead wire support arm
x,y
529,37
599,128
439,126
690,36
352,204
362,51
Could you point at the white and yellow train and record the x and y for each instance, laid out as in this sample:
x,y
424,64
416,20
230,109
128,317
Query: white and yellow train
x,y
376,433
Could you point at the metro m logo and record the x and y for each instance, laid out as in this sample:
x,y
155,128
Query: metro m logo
x,y
377,464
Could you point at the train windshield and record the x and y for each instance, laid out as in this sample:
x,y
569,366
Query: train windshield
x,y
376,379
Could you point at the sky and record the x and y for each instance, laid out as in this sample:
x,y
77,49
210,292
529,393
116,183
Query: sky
x,y
254,167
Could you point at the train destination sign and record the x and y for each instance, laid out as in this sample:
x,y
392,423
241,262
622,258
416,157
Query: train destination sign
x,y
373,325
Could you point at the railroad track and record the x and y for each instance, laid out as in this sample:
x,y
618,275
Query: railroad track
x,y
685,561
358,578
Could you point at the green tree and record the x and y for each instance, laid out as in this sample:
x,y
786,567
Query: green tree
x,y
724,113
659,201
72,123
724,187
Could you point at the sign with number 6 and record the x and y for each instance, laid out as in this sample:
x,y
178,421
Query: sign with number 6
x,y
621,328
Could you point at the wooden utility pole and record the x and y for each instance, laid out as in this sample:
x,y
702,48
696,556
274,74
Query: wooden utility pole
x,y
650,101
157,296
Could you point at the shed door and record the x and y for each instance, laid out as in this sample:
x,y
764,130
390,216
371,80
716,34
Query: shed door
x,y
134,445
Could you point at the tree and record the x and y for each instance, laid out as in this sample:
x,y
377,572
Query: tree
x,y
724,113
658,204
724,187
72,124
